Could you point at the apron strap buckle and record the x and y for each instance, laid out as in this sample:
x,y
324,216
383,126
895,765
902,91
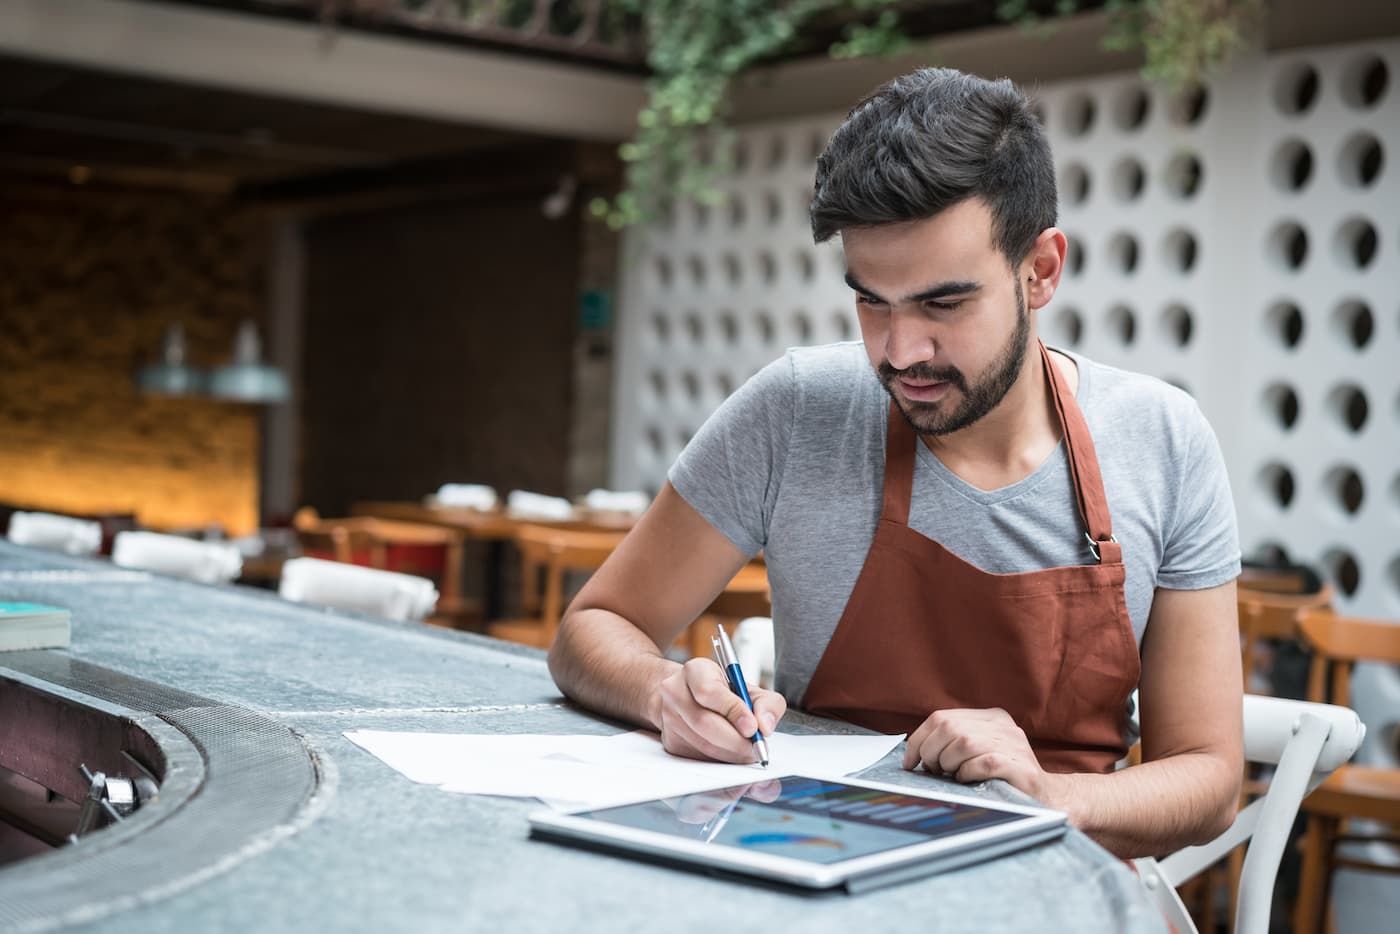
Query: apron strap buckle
x,y
1094,546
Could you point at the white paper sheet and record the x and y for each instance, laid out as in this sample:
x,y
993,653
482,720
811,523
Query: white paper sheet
x,y
595,771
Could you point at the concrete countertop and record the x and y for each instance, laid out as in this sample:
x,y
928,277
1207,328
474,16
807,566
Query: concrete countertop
x,y
374,851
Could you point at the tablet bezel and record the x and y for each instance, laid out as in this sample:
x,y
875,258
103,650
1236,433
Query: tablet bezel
x,y
1038,823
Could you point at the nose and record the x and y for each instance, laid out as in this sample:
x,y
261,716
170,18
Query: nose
x,y
908,341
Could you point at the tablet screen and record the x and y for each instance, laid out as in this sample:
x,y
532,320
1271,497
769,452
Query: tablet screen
x,y
818,821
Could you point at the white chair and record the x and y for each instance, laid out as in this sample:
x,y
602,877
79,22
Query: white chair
x,y
55,533
205,562
754,645
1306,742
352,587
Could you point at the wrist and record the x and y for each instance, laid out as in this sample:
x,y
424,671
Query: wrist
x,y
1056,791
652,702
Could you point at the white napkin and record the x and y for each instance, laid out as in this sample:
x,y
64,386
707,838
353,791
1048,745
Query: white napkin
x,y
206,562
631,502
351,587
57,533
467,495
525,505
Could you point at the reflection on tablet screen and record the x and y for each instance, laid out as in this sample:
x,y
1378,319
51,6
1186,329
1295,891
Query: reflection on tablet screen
x,y
803,818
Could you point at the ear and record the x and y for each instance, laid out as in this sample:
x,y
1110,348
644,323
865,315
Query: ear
x,y
1043,266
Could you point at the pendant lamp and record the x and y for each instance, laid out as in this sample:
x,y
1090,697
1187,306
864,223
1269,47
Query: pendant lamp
x,y
247,378
171,375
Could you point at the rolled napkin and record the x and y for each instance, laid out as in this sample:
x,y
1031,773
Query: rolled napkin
x,y
55,533
467,496
205,562
525,505
351,587
631,502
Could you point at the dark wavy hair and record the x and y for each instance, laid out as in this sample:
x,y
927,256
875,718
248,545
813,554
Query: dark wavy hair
x,y
931,139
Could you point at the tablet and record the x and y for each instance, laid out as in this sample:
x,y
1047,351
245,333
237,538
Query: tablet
x,y
812,832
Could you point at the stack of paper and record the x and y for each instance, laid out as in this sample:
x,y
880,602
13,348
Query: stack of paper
x,y
33,626
596,771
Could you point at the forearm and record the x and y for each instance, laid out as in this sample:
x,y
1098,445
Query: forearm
x,y
1150,809
607,664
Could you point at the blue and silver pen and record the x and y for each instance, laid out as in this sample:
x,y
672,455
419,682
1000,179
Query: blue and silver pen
x,y
724,654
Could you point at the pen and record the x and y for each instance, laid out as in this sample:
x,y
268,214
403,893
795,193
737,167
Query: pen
x,y
717,820
724,654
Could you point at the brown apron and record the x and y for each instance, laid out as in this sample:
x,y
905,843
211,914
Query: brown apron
x,y
924,630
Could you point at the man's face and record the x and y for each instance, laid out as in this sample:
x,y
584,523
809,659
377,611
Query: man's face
x,y
943,317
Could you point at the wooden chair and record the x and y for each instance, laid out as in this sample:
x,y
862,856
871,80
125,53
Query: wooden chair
x,y
1270,616
1270,604
744,596
390,545
1353,792
547,555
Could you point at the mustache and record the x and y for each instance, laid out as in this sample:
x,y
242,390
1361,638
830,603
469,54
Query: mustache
x,y
922,372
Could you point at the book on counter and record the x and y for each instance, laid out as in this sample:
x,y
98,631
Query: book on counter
x,y
33,626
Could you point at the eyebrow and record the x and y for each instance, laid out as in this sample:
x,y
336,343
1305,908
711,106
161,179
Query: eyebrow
x,y
933,293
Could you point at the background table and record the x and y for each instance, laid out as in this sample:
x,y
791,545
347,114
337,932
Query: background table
x,y
373,851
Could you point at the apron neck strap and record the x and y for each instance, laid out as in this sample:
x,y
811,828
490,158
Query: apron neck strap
x,y
900,441
1083,466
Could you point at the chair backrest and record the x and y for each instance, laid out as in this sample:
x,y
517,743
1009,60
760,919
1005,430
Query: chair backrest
x,y
205,562
1271,615
388,544
1338,643
1307,742
351,587
556,552
55,533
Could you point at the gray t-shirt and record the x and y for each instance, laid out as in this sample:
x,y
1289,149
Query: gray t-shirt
x,y
793,464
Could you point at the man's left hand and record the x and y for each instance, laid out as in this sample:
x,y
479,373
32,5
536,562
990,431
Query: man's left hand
x,y
975,745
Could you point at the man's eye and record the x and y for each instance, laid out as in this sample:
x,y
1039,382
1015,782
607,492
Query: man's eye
x,y
945,306
867,300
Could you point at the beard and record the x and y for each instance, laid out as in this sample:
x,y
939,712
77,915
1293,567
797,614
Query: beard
x,y
979,398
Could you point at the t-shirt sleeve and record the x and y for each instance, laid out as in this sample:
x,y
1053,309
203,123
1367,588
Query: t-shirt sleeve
x,y
1203,543
730,471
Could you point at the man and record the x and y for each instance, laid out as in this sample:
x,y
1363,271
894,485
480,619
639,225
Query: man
x,y
970,538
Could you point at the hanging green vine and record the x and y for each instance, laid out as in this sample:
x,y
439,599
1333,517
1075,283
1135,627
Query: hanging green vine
x,y
1183,42
696,49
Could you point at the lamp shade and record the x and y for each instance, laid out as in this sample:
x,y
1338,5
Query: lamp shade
x,y
171,375
247,378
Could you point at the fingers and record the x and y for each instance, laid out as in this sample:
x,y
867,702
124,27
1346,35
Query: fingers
x,y
711,690
770,707
971,745
702,718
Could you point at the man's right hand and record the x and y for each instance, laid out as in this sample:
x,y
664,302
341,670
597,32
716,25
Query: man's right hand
x,y
701,718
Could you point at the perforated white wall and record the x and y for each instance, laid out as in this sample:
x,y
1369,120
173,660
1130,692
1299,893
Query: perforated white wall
x,y
1243,243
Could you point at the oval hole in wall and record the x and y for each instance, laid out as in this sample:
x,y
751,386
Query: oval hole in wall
x,y
1285,323
1276,482
1291,167
1349,406
1295,89
1364,82
1360,160
1344,570
1130,109
1177,324
1353,324
1123,324
1288,246
1281,404
1344,489
1356,243
1184,175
